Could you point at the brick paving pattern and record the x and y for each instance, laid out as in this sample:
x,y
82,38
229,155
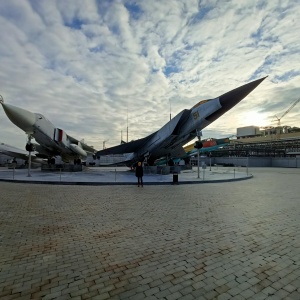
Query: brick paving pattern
x,y
238,240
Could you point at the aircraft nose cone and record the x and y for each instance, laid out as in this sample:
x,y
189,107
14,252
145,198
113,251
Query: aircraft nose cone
x,y
231,98
22,118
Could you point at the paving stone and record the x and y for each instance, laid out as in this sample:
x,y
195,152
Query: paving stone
x,y
281,293
101,297
199,293
199,285
289,288
224,296
269,291
186,290
174,296
234,291
277,285
293,296
222,289
248,294
163,294
187,297
238,297
211,295
138,297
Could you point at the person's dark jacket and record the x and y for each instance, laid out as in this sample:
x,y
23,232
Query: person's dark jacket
x,y
139,172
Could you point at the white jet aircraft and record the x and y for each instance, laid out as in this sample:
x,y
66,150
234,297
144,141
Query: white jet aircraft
x,y
52,141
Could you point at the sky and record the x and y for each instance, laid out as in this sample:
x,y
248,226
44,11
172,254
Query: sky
x,y
94,68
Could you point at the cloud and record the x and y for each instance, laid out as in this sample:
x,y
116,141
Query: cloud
x,y
94,67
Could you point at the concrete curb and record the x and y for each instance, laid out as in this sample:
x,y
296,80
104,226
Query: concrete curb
x,y
123,183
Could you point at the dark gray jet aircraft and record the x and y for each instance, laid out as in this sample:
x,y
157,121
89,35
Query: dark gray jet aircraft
x,y
183,128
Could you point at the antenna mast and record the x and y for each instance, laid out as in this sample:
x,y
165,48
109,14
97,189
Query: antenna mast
x,y
127,126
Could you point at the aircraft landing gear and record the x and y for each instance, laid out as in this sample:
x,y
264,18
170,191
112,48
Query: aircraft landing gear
x,y
51,161
77,161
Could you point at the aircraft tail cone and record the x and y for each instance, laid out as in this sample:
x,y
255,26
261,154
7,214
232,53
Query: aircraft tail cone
x,y
231,98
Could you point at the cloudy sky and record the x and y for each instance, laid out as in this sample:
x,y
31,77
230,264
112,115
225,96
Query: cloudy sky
x,y
92,67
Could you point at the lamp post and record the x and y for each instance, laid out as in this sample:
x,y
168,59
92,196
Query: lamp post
x,y
198,163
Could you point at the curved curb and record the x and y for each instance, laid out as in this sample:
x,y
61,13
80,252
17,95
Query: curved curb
x,y
123,183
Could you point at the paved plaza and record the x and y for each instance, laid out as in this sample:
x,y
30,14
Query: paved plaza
x,y
226,240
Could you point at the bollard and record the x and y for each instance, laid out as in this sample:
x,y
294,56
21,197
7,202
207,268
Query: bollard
x,y
247,164
175,178
115,175
203,168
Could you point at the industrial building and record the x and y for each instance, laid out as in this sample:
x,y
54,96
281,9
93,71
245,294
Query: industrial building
x,y
276,141
259,147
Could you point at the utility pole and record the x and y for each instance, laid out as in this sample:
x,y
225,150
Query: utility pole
x,y
127,126
198,145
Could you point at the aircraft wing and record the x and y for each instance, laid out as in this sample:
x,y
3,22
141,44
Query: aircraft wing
x,y
166,137
83,145
17,153
13,151
127,147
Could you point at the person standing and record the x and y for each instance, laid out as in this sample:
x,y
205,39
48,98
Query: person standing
x,y
139,173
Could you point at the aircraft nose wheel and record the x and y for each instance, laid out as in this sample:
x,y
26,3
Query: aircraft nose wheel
x,y
30,147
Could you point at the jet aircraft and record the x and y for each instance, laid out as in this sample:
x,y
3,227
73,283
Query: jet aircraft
x,y
183,128
52,141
